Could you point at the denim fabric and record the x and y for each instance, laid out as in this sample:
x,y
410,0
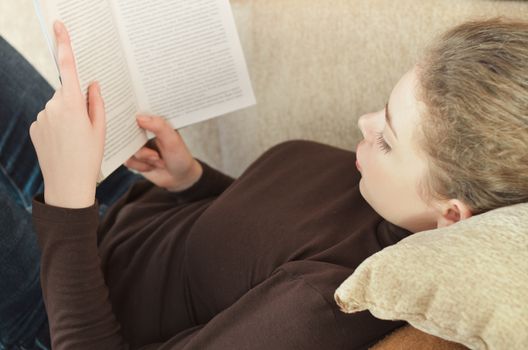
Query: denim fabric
x,y
23,93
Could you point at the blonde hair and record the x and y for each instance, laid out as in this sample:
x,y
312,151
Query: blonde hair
x,y
474,131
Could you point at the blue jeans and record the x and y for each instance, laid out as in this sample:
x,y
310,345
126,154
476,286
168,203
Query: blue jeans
x,y
24,93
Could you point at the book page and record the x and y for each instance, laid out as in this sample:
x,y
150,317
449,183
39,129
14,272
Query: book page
x,y
187,58
99,56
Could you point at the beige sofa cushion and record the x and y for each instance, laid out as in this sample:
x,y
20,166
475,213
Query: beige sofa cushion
x,y
466,282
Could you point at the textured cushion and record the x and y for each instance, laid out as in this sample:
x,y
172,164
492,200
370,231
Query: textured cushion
x,y
467,283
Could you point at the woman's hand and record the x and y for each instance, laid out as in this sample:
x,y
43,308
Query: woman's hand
x,y
69,136
175,169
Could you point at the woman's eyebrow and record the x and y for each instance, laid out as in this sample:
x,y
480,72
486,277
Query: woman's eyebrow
x,y
388,118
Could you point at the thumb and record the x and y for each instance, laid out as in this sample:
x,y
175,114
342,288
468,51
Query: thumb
x,y
96,108
164,132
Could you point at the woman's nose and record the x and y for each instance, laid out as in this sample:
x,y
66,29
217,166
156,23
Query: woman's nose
x,y
369,124
364,124
361,125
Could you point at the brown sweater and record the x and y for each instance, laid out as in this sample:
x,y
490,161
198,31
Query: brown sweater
x,y
251,263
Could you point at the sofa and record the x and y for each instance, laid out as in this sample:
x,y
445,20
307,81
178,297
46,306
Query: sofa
x,y
315,67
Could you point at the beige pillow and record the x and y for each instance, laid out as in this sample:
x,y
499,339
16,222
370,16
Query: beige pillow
x,y
467,283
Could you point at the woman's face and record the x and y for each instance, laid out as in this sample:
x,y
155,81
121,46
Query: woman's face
x,y
390,165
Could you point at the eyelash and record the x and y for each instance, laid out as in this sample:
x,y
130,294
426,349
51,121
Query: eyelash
x,y
382,144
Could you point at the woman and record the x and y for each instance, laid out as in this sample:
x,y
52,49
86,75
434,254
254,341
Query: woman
x,y
190,258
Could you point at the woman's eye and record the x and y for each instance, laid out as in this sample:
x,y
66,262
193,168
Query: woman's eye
x,y
382,144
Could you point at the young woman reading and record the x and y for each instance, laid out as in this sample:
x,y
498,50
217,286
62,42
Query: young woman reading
x,y
189,258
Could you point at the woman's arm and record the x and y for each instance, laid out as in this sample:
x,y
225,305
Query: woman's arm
x,y
75,294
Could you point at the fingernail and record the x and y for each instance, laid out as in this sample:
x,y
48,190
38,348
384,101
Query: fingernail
x,y
143,118
94,85
58,28
153,159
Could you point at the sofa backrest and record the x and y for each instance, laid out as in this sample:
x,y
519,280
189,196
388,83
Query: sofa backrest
x,y
316,66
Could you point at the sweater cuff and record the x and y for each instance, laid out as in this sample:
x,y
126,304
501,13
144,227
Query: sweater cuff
x,y
47,212
211,183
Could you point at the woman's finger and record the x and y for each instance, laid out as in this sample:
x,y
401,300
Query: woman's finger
x,y
96,107
165,134
137,165
66,59
147,153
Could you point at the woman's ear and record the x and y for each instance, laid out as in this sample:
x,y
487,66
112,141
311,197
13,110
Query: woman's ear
x,y
453,211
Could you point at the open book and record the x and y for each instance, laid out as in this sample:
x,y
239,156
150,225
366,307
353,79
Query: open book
x,y
179,59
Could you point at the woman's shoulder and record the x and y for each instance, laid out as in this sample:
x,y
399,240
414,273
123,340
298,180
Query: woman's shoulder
x,y
301,153
303,145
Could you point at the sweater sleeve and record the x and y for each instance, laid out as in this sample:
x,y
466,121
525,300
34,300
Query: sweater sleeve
x,y
212,183
75,295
